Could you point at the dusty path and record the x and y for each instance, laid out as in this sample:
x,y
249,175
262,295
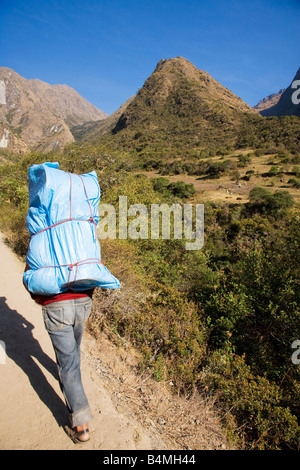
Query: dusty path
x,y
32,412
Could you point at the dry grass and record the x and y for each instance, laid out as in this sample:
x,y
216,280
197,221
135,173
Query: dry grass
x,y
225,189
182,422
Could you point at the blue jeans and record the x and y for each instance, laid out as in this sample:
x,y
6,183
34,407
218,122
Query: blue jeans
x,y
65,322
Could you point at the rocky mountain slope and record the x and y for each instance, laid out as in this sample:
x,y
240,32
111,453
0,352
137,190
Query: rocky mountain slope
x,y
269,101
94,129
289,102
37,116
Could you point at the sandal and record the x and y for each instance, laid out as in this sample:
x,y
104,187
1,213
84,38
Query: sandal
x,y
75,435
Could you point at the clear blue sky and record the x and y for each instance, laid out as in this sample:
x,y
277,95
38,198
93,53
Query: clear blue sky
x,y
105,49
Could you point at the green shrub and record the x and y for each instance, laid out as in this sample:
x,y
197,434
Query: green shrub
x,y
178,189
181,189
296,171
244,160
295,183
274,171
215,169
274,204
161,184
260,418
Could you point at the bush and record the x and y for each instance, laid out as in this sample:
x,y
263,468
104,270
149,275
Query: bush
x,y
295,183
275,204
161,184
244,160
274,171
296,171
178,189
254,403
215,169
181,189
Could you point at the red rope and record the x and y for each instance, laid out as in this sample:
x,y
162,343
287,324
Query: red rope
x,y
91,219
71,266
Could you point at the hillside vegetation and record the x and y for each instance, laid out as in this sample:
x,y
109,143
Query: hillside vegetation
x,y
223,319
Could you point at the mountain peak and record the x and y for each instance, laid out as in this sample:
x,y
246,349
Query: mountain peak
x,y
178,76
178,99
182,66
174,61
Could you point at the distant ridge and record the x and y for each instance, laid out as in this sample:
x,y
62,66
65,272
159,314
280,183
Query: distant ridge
x,y
289,102
37,116
269,101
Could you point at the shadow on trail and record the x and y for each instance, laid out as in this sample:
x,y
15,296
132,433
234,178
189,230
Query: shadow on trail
x,y
22,347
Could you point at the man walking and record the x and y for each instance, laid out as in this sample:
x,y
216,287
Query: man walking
x,y
63,268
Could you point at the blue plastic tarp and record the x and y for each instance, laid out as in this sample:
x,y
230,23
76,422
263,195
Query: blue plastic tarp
x,y
64,251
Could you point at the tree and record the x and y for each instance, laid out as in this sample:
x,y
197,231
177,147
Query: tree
x,y
275,204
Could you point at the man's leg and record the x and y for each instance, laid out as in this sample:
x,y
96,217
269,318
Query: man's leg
x,y
65,323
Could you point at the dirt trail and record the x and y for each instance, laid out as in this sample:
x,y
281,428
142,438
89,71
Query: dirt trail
x,y
32,413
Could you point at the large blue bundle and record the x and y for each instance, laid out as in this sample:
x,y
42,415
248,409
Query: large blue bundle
x,y
64,251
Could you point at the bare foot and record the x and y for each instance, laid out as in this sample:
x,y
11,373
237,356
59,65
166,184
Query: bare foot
x,y
85,435
78,433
